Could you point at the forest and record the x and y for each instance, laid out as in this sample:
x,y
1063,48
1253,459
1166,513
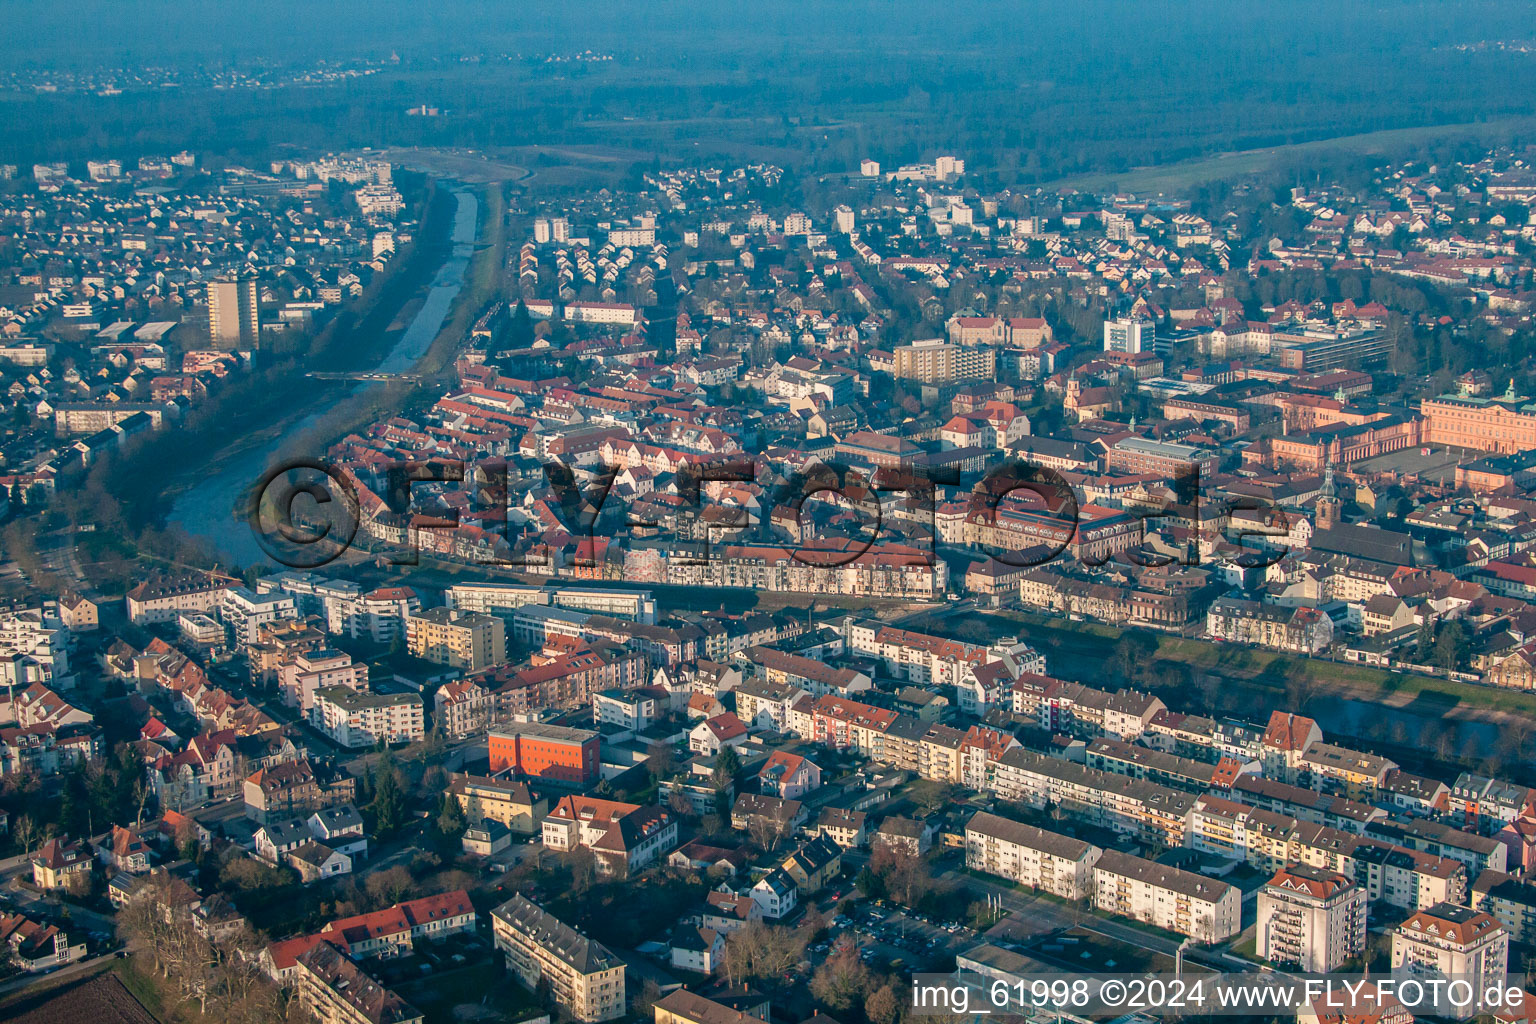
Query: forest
x,y
1027,92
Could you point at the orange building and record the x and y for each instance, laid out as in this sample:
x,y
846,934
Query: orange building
x,y
552,753
1506,424
1340,445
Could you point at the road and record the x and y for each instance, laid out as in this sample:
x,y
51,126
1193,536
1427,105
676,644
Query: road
x,y
52,977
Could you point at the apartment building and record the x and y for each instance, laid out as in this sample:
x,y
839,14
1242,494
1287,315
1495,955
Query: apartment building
x,y
1128,334
1152,813
333,989
935,361
343,607
1511,901
1310,919
465,640
1334,769
318,669
1300,630
234,309
1030,856
507,802
1136,762
164,598
1453,941
1202,908
628,709
245,612
843,826
355,719
504,598
763,704
624,837
815,677
583,976
1269,841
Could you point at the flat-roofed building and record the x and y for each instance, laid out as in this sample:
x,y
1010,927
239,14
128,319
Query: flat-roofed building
x,y
468,640
551,753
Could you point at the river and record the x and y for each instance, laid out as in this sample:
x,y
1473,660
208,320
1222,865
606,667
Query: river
x,y
207,509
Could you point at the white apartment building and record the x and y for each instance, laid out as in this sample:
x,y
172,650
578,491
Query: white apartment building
x,y
34,648
161,600
245,612
613,313
1202,908
505,598
1310,919
627,709
355,719
1031,856
1128,335
583,976
1449,941
316,670
344,607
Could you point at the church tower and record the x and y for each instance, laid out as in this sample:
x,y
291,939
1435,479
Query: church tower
x,y
1328,504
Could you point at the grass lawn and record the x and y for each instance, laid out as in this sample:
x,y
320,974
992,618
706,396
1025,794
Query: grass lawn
x,y
146,989
1272,670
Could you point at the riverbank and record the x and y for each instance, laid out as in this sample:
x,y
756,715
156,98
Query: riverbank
x,y
251,411
1418,721
325,410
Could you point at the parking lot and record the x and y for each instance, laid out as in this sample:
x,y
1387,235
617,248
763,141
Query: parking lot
x,y
886,935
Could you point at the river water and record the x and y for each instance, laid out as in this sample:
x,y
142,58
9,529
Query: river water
x,y
207,509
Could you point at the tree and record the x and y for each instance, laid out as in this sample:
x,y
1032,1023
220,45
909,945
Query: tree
x,y
26,831
761,951
581,862
841,980
1450,647
75,804
388,804
881,1006
389,886
727,764
660,759
904,873
520,329
450,820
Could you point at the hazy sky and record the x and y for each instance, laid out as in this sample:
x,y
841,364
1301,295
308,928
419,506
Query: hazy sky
x,y
142,30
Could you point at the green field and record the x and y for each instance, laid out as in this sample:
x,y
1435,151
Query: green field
x,y
1181,176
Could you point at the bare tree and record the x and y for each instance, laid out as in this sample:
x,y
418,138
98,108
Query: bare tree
x,y
905,873
841,980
